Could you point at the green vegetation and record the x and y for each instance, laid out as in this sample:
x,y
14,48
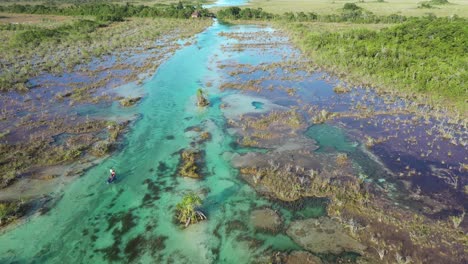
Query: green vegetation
x,y
30,36
26,49
349,13
189,167
432,3
9,211
420,55
424,55
379,7
109,12
202,101
186,210
23,157
131,101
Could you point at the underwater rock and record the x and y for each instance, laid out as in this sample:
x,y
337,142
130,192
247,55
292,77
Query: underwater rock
x,y
189,167
265,219
302,257
202,101
127,102
323,235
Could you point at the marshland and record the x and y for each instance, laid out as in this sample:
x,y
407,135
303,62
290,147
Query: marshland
x,y
240,132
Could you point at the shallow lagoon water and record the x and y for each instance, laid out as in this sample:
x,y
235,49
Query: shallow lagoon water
x,y
133,219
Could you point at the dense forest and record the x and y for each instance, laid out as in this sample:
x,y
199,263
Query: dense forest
x,y
349,13
426,55
110,12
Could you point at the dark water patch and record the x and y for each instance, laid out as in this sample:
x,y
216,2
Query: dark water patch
x,y
157,243
216,231
134,248
151,170
257,105
279,242
215,252
152,187
369,167
235,225
170,137
151,226
193,128
116,196
404,163
127,221
162,166
169,188
85,232
111,253
148,198
252,242
305,207
345,257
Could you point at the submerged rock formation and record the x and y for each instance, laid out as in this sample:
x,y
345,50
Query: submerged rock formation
x,y
323,235
265,219
202,101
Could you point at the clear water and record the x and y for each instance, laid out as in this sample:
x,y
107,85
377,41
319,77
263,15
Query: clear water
x,y
257,105
330,137
132,220
224,3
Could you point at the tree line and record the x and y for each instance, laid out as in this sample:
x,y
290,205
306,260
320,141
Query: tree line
x,y
349,13
111,12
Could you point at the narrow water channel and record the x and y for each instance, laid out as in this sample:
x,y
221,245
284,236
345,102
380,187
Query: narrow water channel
x,y
94,222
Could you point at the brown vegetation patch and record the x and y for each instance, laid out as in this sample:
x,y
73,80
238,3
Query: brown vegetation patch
x,y
189,167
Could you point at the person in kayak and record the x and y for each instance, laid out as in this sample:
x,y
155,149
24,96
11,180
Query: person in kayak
x,y
112,176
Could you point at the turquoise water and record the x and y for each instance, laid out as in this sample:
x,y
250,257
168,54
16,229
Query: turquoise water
x,y
330,137
132,220
224,3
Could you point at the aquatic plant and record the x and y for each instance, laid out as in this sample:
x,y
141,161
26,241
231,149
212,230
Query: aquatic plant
x,y
457,220
340,89
370,141
249,142
187,211
101,148
402,260
321,117
205,135
202,101
188,167
127,102
342,159
9,211
381,252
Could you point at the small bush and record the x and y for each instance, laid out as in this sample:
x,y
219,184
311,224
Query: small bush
x,y
351,6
